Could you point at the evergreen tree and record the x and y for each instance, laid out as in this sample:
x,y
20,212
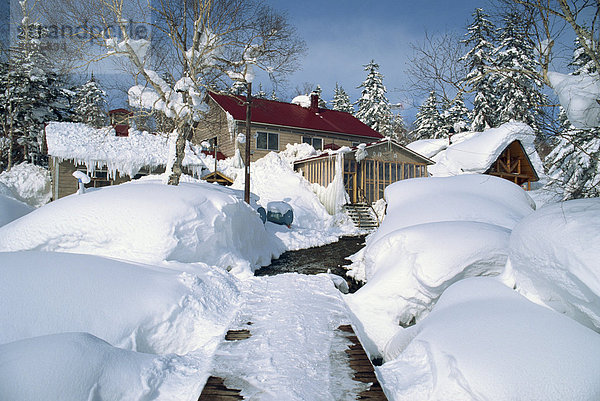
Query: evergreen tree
x,y
238,88
518,84
399,129
90,104
456,115
261,94
582,62
341,100
428,122
274,95
32,95
573,165
373,106
322,102
480,78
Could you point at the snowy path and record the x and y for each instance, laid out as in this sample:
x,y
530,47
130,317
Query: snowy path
x,y
295,351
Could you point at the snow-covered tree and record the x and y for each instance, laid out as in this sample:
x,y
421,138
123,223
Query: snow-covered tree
x,y
322,102
455,115
274,95
481,78
237,88
341,100
32,94
373,106
90,104
428,122
582,62
399,129
519,85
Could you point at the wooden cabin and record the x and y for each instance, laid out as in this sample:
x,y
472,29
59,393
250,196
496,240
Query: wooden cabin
x,y
366,176
276,124
219,178
514,165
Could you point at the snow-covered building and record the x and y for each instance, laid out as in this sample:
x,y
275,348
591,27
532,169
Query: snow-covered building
x,y
276,124
507,151
107,157
368,168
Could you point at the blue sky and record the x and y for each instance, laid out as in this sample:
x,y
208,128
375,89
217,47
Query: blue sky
x,y
342,36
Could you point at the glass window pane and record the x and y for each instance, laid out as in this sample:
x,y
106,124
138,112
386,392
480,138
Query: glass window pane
x,y
261,140
411,169
405,171
273,141
317,143
307,139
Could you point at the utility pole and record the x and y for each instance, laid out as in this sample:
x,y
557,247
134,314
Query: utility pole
x,y
248,121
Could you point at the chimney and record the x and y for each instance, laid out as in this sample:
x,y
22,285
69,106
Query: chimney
x,y
314,102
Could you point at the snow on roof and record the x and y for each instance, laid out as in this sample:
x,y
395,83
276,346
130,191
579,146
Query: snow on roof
x,y
101,147
474,152
292,115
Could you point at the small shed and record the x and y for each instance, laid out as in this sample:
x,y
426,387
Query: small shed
x,y
368,169
219,178
507,151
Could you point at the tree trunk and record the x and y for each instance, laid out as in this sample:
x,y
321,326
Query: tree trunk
x,y
184,133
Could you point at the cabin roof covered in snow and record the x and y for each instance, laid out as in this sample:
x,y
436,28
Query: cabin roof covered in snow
x,y
101,147
369,146
295,116
475,152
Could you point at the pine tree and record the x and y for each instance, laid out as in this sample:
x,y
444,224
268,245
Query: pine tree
x,y
481,79
399,129
582,62
90,104
456,115
373,106
428,122
322,102
274,95
518,83
238,88
341,100
574,163
32,95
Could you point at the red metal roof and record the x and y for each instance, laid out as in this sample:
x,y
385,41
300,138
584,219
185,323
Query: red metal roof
x,y
220,156
292,115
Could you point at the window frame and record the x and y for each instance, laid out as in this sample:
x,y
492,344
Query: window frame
x,y
268,139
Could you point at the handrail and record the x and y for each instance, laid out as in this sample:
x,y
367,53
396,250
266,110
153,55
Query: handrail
x,y
366,201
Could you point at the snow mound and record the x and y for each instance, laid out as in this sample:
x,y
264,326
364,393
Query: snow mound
x,y
101,147
11,209
135,307
27,183
472,197
150,222
555,259
408,269
484,341
79,366
302,100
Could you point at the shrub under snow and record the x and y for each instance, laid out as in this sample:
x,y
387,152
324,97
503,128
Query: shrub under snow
x,y
484,341
554,259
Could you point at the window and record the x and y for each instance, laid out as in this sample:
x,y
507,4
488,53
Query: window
x,y
316,143
212,142
267,141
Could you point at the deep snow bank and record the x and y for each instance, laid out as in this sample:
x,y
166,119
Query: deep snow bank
x,y
554,259
79,366
150,222
135,307
437,231
485,341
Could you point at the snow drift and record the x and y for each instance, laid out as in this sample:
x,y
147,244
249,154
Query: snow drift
x,y
484,341
11,209
149,222
79,366
134,307
27,183
554,259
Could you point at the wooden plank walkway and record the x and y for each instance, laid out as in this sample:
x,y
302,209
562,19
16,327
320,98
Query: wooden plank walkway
x,y
216,390
362,366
